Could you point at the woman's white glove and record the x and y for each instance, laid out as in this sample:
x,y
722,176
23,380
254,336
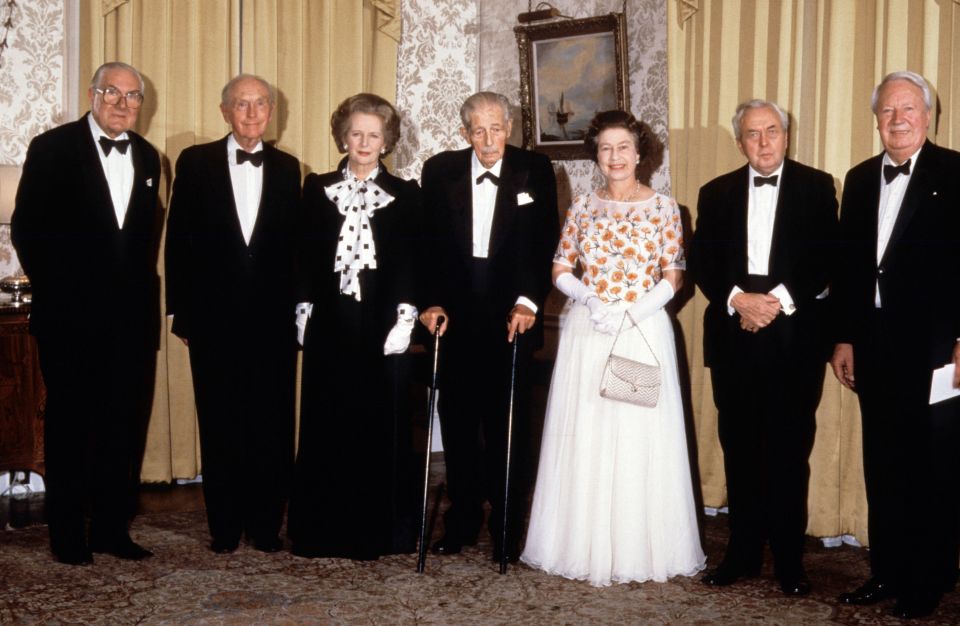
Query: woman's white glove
x,y
650,303
573,288
304,310
398,339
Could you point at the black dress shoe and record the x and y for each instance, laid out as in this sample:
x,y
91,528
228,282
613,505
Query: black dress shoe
x,y
915,606
446,546
122,548
795,585
723,576
870,592
80,556
224,546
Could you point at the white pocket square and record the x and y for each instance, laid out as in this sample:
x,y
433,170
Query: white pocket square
x,y
149,182
523,198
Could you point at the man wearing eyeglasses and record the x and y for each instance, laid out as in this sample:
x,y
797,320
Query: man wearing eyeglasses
x,y
86,227
229,272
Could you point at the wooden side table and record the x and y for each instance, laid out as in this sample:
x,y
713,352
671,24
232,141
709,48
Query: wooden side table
x,y
22,394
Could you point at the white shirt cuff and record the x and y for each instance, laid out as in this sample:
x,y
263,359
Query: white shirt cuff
x,y
786,302
733,292
527,302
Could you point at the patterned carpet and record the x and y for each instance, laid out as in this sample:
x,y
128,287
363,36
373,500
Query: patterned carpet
x,y
187,584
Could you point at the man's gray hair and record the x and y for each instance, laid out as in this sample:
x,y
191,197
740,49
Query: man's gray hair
x,y
911,77
114,65
756,103
227,90
480,98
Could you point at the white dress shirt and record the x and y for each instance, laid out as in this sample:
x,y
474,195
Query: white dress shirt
x,y
891,197
247,182
484,204
118,170
761,216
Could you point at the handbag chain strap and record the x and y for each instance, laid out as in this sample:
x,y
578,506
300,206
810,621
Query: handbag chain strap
x,y
637,326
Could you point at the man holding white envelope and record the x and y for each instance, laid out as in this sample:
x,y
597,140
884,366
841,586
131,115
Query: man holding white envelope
x,y
898,320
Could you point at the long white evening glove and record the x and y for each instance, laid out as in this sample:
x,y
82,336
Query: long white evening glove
x,y
650,303
304,310
574,288
398,339
647,305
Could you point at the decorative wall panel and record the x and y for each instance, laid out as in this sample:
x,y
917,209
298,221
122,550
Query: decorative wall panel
x,y
31,89
436,71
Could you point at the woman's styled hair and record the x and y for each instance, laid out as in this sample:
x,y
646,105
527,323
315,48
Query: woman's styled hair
x,y
648,145
371,104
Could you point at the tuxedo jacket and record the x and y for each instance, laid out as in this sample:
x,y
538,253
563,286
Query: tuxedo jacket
x,y
217,284
523,234
804,239
87,273
917,274
396,237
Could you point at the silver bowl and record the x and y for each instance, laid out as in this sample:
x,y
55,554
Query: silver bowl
x,y
16,286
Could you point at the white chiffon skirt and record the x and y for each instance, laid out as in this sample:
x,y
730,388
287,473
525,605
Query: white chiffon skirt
x,y
614,498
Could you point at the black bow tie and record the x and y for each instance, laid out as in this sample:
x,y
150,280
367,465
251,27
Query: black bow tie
x,y
760,181
493,178
108,144
892,171
255,158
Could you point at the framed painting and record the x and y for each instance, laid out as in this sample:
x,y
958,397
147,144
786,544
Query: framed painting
x,y
569,71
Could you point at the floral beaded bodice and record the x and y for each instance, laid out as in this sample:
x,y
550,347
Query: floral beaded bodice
x,y
623,247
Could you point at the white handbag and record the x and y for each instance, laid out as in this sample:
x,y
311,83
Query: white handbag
x,y
626,380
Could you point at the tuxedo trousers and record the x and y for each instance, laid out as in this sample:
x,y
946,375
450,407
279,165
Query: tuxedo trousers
x,y
473,404
766,389
911,459
244,384
99,393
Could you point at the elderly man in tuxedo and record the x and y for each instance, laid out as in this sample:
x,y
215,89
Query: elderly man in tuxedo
x,y
87,228
761,256
898,319
492,224
229,263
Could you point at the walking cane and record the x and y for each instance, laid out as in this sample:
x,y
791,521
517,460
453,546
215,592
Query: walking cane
x,y
506,482
422,558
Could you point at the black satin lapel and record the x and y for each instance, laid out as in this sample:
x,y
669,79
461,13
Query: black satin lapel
x,y
784,205
916,188
741,207
223,188
96,179
461,210
133,203
512,180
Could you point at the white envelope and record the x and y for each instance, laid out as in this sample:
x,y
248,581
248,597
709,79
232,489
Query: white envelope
x,y
523,198
941,386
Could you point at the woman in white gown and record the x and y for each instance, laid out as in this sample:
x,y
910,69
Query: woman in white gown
x,y
614,497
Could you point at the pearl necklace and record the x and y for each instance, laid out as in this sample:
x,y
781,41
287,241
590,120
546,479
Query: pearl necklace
x,y
605,194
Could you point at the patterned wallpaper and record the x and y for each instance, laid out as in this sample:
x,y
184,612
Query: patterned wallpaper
x,y
436,71
444,41
31,90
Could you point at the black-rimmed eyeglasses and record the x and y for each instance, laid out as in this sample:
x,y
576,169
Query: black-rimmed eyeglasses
x,y
112,95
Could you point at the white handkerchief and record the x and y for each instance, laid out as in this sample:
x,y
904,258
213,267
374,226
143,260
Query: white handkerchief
x,y
941,387
523,198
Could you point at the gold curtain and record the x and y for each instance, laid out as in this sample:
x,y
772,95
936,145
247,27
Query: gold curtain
x,y
316,52
820,60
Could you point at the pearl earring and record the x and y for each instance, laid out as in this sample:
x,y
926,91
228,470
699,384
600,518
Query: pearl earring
x,y
344,146
383,150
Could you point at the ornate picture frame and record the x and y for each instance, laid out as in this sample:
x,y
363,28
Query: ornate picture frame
x,y
570,70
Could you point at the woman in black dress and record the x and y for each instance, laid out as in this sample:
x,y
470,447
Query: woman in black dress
x,y
353,495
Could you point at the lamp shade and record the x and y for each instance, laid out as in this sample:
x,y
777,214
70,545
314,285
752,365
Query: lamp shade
x,y
9,179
